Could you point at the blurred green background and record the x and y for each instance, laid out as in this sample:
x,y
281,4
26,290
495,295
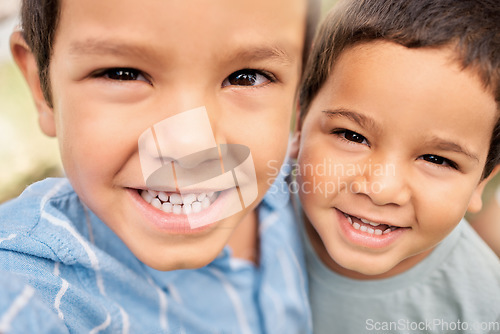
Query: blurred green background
x,y
27,155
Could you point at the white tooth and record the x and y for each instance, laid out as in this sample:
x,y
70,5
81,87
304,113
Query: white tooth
x,y
369,222
363,228
147,196
378,232
186,209
201,197
166,207
163,196
212,197
189,198
370,230
349,219
177,209
356,226
156,203
387,231
196,207
153,193
205,203
175,199
210,194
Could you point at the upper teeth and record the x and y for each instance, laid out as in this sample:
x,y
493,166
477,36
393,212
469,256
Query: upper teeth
x,y
369,230
177,203
369,222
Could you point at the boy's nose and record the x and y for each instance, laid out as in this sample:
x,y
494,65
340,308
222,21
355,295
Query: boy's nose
x,y
184,135
185,138
384,183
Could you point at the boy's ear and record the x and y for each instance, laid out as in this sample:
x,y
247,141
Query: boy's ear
x,y
26,62
476,201
294,145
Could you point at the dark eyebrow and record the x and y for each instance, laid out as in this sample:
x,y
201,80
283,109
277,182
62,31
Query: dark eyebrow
x,y
364,121
111,47
446,145
272,52
99,47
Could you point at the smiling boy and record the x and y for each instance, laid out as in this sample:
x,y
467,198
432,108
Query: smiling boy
x,y
400,120
103,73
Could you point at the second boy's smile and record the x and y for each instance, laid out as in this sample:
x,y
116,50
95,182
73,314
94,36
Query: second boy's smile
x,y
387,105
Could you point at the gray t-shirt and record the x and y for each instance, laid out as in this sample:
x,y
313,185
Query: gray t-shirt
x,y
456,289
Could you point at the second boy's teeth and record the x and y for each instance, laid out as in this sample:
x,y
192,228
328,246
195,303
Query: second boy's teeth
x,y
177,203
369,222
368,229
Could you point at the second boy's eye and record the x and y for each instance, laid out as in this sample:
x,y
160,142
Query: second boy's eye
x,y
438,160
350,136
247,77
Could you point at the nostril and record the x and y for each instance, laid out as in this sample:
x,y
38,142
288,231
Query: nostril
x,y
205,157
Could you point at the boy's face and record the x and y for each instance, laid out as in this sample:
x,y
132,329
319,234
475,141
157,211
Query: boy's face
x,y
397,137
121,66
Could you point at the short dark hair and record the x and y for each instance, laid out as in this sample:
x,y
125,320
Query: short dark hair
x,y
470,26
39,20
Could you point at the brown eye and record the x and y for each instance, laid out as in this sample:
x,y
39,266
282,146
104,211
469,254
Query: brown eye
x,y
121,74
353,136
350,137
247,77
438,160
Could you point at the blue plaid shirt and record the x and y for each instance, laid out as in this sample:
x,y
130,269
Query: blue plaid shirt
x,y
62,270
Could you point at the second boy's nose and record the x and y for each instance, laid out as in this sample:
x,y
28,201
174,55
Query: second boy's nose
x,y
384,183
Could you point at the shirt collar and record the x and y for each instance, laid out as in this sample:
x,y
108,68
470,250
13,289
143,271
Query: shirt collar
x,y
278,194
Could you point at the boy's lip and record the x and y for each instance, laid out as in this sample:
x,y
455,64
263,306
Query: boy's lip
x,y
179,223
365,239
186,190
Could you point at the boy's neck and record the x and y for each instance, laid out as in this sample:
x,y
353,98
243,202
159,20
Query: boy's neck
x,y
244,241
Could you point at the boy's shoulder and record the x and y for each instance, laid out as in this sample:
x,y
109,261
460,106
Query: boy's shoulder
x,y
29,223
458,280
472,257
27,209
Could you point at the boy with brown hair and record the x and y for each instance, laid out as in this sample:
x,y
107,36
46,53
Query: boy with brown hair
x,y
399,132
167,113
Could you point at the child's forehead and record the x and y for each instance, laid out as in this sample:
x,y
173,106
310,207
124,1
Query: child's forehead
x,y
387,87
232,29
214,17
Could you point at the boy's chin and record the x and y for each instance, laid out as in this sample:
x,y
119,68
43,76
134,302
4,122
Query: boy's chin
x,y
365,270
169,261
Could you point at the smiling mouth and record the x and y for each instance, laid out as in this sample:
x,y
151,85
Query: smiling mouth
x,y
178,204
370,227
